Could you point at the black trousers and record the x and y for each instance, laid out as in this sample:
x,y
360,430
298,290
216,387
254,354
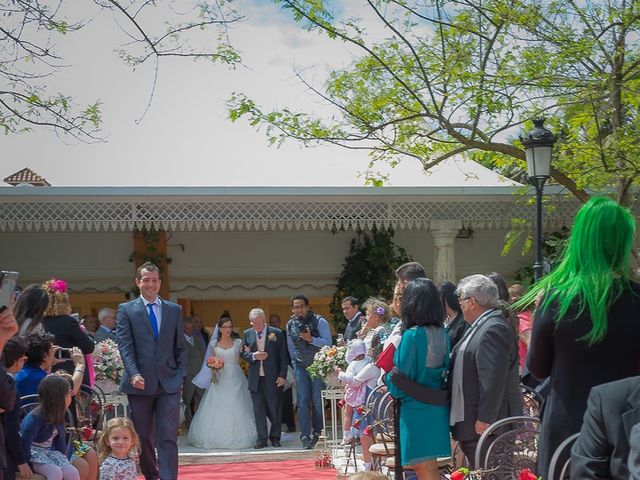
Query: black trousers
x,y
288,417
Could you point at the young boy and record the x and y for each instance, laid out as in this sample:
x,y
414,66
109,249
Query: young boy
x,y
14,358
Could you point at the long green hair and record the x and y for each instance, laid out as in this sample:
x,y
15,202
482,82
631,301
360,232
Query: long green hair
x,y
595,269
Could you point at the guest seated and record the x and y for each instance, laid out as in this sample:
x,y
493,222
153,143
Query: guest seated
x,y
14,358
602,449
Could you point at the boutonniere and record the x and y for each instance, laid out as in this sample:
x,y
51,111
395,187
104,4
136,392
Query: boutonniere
x,y
272,337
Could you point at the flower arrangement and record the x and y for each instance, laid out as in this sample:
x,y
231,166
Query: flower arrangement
x,y
215,364
107,361
464,473
327,360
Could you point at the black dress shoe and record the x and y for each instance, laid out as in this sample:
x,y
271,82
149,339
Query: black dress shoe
x,y
260,445
314,439
306,444
276,443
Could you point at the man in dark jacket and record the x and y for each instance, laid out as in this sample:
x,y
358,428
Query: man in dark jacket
x,y
602,449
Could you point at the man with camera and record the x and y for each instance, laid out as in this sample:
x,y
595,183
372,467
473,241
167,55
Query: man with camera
x,y
307,333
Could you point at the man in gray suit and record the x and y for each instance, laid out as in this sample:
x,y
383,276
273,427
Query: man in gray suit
x,y
603,447
484,366
107,328
265,349
191,395
151,342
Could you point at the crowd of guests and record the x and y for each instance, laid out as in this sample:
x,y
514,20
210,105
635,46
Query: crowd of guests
x,y
461,352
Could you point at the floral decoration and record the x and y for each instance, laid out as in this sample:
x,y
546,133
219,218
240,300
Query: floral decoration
x,y
58,285
107,362
215,364
272,337
327,360
380,310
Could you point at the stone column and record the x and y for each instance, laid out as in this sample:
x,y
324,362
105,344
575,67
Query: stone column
x,y
444,257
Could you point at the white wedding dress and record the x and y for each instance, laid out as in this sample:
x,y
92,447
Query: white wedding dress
x,y
224,419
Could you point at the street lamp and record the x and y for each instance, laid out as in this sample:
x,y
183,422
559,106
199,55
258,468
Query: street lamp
x,y
538,144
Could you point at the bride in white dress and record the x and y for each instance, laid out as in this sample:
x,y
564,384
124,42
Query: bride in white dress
x,y
224,419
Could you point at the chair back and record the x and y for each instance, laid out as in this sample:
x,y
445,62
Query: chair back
x,y
559,466
30,402
508,446
531,401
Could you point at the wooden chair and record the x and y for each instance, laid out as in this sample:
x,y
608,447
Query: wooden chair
x,y
559,466
508,446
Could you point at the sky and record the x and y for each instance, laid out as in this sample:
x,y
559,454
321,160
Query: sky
x,y
185,138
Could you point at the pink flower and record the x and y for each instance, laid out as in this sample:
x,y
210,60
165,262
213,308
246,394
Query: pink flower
x,y
59,286
457,475
526,474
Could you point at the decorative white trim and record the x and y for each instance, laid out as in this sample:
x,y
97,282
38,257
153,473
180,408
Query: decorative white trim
x,y
301,213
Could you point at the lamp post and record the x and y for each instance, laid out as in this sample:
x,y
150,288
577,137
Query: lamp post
x,y
538,144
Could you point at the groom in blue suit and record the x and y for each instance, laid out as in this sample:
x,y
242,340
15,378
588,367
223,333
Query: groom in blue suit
x,y
151,343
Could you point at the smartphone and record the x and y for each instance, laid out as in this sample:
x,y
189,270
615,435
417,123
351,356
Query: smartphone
x,y
8,282
63,353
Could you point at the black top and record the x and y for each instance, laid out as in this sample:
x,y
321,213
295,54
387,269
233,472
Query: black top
x,y
456,329
574,367
68,333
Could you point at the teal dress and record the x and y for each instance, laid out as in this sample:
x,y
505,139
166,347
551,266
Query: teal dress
x,y
423,355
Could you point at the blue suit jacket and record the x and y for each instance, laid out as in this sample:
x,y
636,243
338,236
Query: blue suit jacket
x,y
160,361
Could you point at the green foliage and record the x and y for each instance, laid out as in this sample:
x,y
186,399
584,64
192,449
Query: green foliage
x,y
439,78
368,270
553,246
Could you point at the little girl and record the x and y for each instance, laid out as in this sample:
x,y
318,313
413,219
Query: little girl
x,y
42,431
360,377
115,445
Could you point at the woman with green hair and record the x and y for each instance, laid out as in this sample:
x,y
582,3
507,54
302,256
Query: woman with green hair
x,y
587,327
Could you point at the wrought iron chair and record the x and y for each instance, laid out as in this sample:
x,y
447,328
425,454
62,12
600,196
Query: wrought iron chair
x,y
559,466
29,402
508,446
90,404
531,401
384,432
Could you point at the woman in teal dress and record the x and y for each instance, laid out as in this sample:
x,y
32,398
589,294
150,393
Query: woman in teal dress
x,y
423,356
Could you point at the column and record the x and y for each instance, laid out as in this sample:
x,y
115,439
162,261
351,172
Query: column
x,y
444,257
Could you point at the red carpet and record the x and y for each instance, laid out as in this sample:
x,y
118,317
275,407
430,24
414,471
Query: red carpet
x,y
286,470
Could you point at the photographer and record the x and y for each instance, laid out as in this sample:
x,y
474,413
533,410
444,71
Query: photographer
x,y
307,333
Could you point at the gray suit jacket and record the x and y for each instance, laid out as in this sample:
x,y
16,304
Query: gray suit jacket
x,y
195,356
490,376
274,366
101,334
602,449
160,361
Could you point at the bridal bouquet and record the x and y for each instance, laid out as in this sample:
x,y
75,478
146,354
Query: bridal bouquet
x,y
107,361
215,364
326,361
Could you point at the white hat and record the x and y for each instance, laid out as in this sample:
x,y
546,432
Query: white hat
x,y
354,348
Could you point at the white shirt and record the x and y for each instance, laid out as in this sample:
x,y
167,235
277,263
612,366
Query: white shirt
x,y
188,338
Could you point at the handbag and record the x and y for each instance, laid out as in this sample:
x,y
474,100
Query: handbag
x,y
385,359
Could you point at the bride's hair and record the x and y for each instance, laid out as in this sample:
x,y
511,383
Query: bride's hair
x,y
221,322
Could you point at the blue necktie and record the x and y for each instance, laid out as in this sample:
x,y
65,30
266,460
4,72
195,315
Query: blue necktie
x,y
154,319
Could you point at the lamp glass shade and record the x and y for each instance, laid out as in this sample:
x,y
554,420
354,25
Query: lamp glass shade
x,y
538,161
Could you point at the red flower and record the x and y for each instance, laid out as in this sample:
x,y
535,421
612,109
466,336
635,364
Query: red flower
x,y
457,475
341,403
368,430
526,474
360,410
356,424
87,433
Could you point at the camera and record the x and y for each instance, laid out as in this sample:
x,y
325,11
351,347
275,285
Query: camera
x,y
8,282
63,353
303,328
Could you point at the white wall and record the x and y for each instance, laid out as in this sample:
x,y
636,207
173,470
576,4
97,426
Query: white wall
x,y
231,265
